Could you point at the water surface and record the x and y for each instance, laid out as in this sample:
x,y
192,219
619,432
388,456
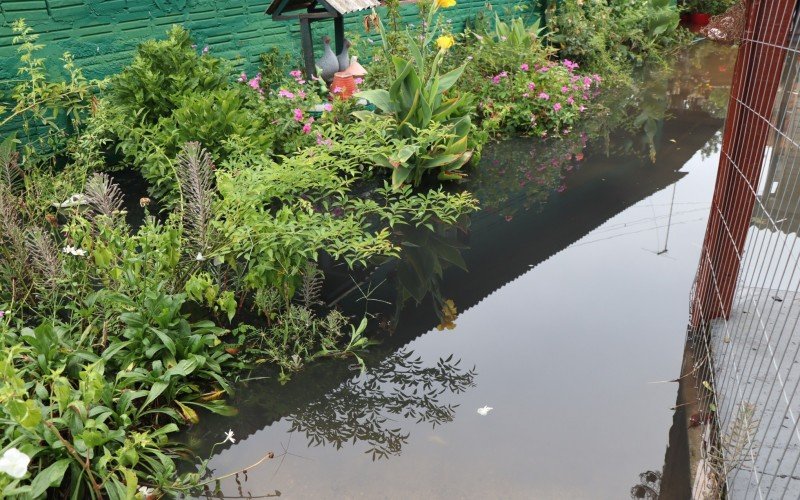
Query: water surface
x,y
570,293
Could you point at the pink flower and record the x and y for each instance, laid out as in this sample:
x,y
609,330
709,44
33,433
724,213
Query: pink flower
x,y
298,114
544,69
243,77
301,94
526,94
597,78
565,90
322,141
587,81
531,85
358,81
582,109
503,74
496,80
544,95
296,73
570,65
337,90
286,94
307,128
557,107
524,67
327,106
255,82
570,100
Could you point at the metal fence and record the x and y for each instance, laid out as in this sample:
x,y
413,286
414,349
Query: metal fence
x,y
745,310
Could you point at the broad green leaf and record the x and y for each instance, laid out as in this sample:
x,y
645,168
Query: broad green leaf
x,y
380,98
50,477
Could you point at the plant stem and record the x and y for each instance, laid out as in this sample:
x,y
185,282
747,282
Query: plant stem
x,y
84,462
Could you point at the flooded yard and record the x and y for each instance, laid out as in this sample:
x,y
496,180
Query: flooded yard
x,y
562,305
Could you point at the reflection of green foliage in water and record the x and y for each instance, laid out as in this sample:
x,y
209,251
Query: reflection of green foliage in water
x,y
426,255
521,174
364,409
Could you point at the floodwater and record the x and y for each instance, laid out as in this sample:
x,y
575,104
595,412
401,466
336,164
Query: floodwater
x,y
562,305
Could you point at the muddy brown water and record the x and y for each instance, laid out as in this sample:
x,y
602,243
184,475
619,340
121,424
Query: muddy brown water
x,y
571,288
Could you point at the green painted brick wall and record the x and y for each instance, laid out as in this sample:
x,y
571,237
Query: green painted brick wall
x,y
102,34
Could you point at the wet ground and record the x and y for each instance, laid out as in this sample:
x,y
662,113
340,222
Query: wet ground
x,y
561,304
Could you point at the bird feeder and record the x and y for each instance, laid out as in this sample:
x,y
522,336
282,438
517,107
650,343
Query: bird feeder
x,y
308,11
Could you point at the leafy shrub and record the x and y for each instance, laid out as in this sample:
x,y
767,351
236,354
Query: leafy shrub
x,y
609,37
162,73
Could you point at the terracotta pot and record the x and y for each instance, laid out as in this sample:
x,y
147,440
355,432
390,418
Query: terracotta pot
x,y
346,83
700,18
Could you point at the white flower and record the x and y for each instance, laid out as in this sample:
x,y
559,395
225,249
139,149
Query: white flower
x,y
14,463
199,257
78,252
229,437
485,410
146,492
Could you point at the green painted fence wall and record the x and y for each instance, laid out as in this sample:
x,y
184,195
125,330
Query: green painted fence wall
x,y
102,34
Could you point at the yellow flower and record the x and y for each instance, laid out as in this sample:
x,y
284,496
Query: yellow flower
x,y
445,4
444,42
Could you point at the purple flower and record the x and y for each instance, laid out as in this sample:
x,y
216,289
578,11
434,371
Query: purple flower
x,y
524,67
557,107
544,95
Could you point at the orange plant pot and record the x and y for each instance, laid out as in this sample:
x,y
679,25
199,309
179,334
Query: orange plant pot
x,y
346,85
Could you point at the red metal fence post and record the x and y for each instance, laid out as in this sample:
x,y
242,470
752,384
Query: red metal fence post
x,y
756,78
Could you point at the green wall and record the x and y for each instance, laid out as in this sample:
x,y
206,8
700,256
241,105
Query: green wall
x,y
102,34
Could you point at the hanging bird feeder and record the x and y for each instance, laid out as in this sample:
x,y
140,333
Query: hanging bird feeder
x,y
308,11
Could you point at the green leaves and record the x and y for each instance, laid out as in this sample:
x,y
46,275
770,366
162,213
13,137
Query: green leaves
x,y
49,477
380,98
25,412
432,123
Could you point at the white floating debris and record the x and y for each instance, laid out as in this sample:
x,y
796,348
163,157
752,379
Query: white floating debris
x,y
485,410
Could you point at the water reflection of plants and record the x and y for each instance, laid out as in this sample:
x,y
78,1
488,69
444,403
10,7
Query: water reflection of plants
x,y
427,253
365,409
524,175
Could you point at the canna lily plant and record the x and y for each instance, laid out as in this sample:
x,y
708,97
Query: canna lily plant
x,y
418,100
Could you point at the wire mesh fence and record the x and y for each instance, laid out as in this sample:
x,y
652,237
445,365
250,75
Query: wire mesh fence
x,y
745,311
